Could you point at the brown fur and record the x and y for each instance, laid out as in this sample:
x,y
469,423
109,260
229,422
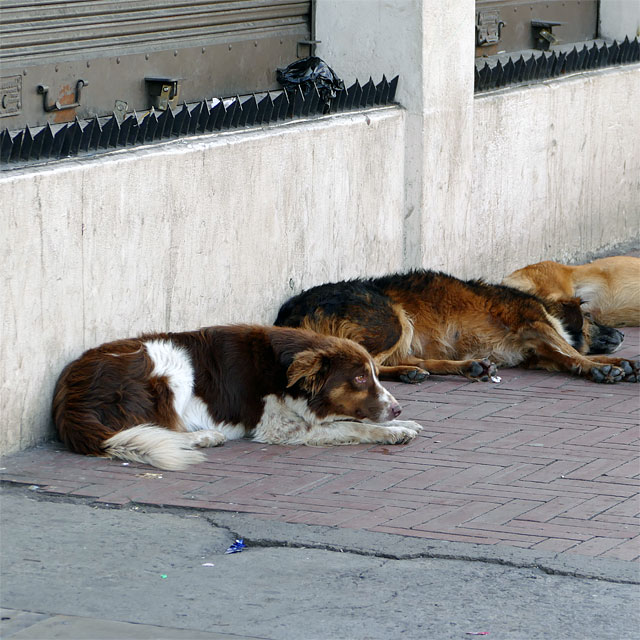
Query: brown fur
x,y
609,287
426,321
223,378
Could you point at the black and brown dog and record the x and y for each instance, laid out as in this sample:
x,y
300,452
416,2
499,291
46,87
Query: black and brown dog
x,y
429,322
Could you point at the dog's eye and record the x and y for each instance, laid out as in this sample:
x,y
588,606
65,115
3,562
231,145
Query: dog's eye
x,y
361,379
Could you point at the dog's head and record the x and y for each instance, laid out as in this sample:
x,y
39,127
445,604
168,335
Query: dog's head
x,y
587,336
340,378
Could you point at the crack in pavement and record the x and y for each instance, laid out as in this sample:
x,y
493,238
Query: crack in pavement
x,y
365,543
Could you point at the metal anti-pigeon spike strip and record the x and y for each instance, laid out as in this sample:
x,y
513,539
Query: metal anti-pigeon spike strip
x,y
194,118
98,134
265,109
27,144
550,65
393,86
249,112
382,91
203,118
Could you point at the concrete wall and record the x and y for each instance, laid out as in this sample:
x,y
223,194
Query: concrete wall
x,y
203,231
223,228
556,171
619,19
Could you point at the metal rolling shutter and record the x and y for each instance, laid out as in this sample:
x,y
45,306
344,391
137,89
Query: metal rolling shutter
x,y
579,18
212,48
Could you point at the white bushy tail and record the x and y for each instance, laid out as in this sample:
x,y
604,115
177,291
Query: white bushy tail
x,y
154,445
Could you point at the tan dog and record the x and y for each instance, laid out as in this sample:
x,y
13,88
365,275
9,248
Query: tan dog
x,y
609,287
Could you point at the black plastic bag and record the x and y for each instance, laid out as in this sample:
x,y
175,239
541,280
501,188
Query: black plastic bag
x,y
305,73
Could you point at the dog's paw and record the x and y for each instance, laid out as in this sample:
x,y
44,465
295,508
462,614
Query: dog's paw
x,y
607,374
414,376
482,370
208,439
407,424
631,370
400,435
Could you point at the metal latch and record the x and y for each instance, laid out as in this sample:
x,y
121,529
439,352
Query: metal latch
x,y
56,106
488,28
543,33
163,92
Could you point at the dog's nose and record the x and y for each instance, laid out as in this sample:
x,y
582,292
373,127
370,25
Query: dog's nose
x,y
396,409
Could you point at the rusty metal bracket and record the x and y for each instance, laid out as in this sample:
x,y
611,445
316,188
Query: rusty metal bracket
x,y
56,106
488,28
163,92
543,33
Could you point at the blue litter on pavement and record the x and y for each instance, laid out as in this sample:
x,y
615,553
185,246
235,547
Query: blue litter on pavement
x,y
236,547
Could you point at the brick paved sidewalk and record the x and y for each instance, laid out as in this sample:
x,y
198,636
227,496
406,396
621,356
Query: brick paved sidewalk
x,y
542,461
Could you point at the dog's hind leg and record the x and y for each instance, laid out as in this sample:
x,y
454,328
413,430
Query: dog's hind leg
x,y
550,351
631,368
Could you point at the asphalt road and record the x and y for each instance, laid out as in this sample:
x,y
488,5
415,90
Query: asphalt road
x,y
77,571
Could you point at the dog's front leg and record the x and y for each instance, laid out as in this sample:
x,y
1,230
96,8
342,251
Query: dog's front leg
x,y
354,432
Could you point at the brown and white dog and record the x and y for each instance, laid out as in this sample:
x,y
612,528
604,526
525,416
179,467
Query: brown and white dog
x,y
153,399
609,287
429,322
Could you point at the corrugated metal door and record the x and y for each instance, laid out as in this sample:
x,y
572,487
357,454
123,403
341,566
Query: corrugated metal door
x,y
579,18
213,48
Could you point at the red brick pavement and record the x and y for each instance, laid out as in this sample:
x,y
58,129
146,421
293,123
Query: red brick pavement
x,y
542,461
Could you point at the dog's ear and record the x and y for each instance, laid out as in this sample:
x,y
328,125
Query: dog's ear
x,y
572,313
308,368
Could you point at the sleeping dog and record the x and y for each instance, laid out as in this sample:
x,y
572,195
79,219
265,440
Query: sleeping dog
x,y
156,398
429,322
609,288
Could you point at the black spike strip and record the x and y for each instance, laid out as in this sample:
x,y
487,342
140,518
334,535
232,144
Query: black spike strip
x,y
382,91
265,110
496,75
143,128
165,124
44,139
314,100
109,130
181,122
393,85
6,145
339,104
249,112
94,134
509,71
296,104
280,107
194,118
203,118
354,92
228,116
16,146
27,144
58,141
134,132
624,50
304,112
216,117
593,57
123,131
237,115
368,94
552,65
